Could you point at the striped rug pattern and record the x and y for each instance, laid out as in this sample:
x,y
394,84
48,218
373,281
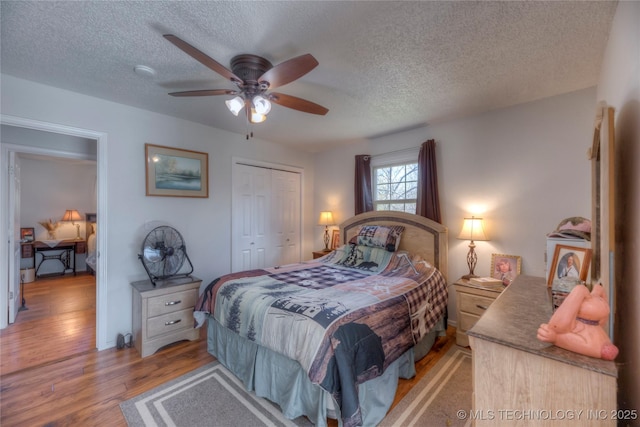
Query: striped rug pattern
x,y
441,398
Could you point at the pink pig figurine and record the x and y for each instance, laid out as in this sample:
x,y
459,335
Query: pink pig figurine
x,y
577,324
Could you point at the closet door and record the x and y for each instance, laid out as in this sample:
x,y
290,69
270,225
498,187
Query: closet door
x,y
250,217
266,218
285,217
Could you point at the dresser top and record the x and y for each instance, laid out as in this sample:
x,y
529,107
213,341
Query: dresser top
x,y
146,285
515,316
489,288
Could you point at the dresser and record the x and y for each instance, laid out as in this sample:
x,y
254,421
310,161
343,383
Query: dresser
x,y
471,302
519,380
163,314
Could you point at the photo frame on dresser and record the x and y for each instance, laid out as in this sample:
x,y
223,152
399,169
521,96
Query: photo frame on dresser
x,y
505,267
569,262
27,234
335,239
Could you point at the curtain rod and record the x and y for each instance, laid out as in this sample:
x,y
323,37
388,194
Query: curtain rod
x,y
402,150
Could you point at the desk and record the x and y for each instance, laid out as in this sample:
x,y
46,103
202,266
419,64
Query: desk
x,y
64,250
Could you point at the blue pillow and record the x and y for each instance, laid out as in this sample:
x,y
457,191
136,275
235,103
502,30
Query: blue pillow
x,y
379,236
365,258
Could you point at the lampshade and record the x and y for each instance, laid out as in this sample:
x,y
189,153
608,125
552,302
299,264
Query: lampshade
x,y
235,105
257,117
71,215
473,229
326,218
261,104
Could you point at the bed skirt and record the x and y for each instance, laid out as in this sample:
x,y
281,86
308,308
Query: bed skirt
x,y
283,381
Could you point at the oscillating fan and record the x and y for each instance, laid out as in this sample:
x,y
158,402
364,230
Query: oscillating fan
x,y
163,254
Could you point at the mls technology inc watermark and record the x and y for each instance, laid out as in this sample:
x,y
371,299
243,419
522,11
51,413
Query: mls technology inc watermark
x,y
548,415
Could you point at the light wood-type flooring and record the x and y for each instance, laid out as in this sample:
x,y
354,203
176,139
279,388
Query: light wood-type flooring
x,y
51,374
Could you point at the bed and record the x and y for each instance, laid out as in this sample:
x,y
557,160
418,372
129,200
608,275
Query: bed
x,y
92,258
329,338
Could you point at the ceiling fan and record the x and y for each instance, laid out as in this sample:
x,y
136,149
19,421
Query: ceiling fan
x,y
254,76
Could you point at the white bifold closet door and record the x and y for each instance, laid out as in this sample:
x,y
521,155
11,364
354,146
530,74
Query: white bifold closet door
x,y
265,217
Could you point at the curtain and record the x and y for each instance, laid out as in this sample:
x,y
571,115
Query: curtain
x,y
428,204
363,194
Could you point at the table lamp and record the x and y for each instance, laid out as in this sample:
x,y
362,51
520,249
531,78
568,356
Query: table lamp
x,y
326,219
472,229
72,215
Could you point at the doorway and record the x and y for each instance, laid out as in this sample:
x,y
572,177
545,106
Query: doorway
x,y
6,251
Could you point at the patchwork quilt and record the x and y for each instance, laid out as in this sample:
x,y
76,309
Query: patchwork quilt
x,y
344,317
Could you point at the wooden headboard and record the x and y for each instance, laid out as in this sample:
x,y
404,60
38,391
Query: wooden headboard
x,y
421,236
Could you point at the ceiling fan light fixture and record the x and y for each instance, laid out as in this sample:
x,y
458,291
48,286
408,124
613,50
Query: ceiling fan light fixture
x,y
235,105
261,105
257,117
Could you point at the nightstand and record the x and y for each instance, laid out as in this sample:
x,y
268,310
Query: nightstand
x,y
318,254
471,302
163,314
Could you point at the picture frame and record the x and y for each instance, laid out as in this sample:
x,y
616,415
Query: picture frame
x,y
569,261
27,234
335,239
505,267
176,172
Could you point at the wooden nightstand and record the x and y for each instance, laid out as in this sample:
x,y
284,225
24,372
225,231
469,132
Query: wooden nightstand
x,y
163,314
471,302
318,254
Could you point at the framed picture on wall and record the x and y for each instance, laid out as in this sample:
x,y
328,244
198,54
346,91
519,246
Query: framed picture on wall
x,y
26,234
174,172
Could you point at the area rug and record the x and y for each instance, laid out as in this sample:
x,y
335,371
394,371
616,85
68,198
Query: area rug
x,y
210,396
441,398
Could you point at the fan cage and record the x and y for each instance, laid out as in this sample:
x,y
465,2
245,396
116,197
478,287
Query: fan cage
x,y
159,245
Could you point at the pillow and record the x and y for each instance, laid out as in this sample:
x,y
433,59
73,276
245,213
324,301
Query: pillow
x,y
378,236
365,258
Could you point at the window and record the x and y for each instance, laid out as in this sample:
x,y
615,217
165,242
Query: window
x,y
395,187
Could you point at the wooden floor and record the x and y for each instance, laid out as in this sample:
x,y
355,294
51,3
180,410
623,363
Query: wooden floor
x,y
60,321
49,386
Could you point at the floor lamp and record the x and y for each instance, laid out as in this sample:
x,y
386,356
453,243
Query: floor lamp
x,y
472,229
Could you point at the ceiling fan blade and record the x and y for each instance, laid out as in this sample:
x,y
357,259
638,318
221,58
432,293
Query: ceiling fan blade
x,y
288,71
206,92
298,104
203,58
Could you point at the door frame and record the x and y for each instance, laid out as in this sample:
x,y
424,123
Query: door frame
x,y
102,220
13,224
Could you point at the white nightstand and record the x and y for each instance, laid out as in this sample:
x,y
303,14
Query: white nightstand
x,y
163,314
471,302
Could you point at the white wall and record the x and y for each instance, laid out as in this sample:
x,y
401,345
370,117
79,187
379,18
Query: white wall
x,y
619,87
204,223
524,169
48,187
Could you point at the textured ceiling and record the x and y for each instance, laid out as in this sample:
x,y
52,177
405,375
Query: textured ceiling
x,y
384,66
